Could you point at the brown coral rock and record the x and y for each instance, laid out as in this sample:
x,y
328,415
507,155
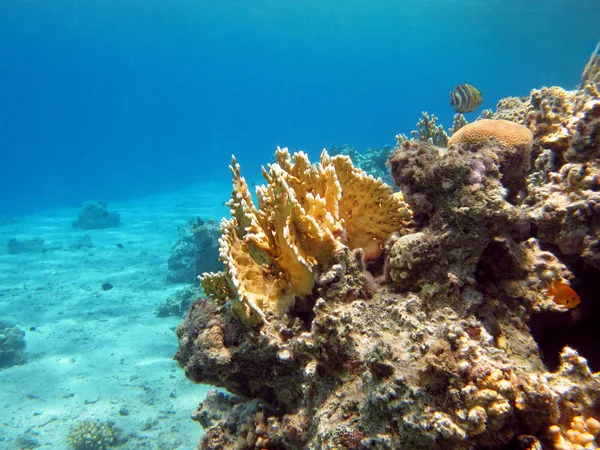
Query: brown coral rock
x,y
505,132
514,109
563,198
552,109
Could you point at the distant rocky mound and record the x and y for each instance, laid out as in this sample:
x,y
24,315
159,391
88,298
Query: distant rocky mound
x,y
82,242
12,345
16,246
195,252
96,216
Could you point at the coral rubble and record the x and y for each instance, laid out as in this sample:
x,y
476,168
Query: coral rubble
x,y
339,324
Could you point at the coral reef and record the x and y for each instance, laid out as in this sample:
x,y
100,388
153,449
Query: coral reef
x,y
96,216
428,130
507,133
223,408
179,303
511,143
514,109
306,215
563,188
196,251
94,435
422,335
373,160
12,345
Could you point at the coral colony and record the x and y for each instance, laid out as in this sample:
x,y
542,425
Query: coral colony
x,y
350,316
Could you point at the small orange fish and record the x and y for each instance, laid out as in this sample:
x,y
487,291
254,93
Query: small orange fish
x,y
563,294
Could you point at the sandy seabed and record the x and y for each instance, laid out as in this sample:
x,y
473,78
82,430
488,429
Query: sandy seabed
x,y
91,353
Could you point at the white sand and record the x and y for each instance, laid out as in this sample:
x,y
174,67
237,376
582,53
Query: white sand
x,y
92,354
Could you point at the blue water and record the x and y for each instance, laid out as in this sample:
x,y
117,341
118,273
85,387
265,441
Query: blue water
x,y
116,99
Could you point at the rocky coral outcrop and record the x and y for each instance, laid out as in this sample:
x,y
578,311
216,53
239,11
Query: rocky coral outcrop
x,y
196,251
511,142
12,345
431,347
563,188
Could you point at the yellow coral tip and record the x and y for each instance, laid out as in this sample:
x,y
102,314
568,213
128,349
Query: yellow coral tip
x,y
592,425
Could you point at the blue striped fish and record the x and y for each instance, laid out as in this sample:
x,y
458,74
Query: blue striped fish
x,y
465,98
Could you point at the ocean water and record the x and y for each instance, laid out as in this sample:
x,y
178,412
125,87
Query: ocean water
x,y
116,99
141,103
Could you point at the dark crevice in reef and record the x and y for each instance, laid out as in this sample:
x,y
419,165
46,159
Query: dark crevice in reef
x,y
552,330
499,261
578,328
304,309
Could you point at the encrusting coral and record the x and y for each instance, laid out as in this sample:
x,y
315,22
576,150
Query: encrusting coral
x,y
563,200
388,335
582,433
305,213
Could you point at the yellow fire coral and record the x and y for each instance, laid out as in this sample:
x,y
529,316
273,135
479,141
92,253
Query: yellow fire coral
x,y
505,132
273,251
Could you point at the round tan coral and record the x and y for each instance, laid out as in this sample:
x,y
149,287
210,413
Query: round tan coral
x,y
507,133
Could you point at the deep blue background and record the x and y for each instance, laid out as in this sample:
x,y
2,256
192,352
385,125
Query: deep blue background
x,y
113,99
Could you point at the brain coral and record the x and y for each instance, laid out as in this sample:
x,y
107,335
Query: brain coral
x,y
507,133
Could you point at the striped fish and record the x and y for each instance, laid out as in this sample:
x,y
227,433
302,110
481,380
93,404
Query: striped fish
x,y
465,98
